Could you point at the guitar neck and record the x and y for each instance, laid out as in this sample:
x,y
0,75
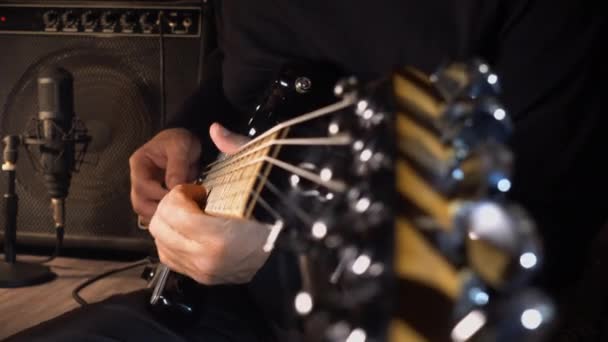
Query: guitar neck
x,y
234,182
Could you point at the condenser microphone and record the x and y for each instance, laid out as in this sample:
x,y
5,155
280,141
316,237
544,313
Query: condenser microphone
x,y
56,142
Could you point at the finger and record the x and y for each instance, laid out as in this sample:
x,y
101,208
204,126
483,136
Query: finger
x,y
226,141
169,259
148,189
194,172
188,198
142,207
143,222
143,169
182,156
182,264
178,167
164,234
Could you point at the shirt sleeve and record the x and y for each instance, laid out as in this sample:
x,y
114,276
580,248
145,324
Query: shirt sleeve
x,y
206,105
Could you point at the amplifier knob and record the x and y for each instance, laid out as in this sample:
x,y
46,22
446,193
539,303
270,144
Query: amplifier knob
x,y
187,22
90,19
108,20
148,21
69,19
50,19
172,20
128,20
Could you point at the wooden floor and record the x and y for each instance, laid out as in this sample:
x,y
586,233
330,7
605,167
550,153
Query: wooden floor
x,y
25,307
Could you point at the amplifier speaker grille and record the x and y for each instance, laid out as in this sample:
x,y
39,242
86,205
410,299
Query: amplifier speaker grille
x,y
116,94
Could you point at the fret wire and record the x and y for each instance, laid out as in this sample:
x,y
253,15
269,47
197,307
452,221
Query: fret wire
x,y
303,118
266,206
219,169
253,162
238,157
242,168
299,213
337,186
342,139
228,197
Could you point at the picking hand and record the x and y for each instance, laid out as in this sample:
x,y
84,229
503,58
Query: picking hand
x,y
210,250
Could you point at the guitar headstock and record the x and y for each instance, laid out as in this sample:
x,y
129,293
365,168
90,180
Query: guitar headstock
x,y
393,197
421,243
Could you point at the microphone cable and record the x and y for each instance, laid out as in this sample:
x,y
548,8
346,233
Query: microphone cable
x,y
59,233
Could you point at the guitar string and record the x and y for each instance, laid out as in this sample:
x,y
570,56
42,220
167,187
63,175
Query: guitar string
x,y
301,214
342,139
334,185
295,121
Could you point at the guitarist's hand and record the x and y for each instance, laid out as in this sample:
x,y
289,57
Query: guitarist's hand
x,y
210,250
168,159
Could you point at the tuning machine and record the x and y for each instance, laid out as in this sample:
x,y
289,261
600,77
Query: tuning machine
x,y
501,243
526,316
472,79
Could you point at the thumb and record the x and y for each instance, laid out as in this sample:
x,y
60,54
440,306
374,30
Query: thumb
x,y
226,141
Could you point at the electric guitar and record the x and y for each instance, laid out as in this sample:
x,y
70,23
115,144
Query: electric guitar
x,y
391,196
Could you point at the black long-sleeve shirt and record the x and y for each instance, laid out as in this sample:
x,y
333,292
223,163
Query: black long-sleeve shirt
x,y
545,52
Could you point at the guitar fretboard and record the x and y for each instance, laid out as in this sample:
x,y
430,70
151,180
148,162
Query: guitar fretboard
x,y
233,183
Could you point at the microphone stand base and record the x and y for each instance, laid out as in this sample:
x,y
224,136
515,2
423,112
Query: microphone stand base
x,y
21,274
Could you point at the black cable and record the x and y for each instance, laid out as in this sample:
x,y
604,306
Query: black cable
x,y
163,90
76,291
59,233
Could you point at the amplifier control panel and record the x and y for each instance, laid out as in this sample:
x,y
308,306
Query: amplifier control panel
x,y
179,21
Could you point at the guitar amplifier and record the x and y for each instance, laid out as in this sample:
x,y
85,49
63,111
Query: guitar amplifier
x,y
113,50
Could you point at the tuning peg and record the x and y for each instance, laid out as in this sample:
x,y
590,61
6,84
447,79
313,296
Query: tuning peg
x,y
367,209
470,124
501,243
346,259
475,295
344,332
369,156
370,114
347,87
483,172
526,316
460,80
303,303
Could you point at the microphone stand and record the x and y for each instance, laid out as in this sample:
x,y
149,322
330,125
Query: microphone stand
x,y
13,273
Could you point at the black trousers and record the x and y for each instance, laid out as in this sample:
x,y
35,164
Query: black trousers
x,y
228,316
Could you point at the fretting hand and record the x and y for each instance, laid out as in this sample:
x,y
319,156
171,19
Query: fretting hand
x,y
172,158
